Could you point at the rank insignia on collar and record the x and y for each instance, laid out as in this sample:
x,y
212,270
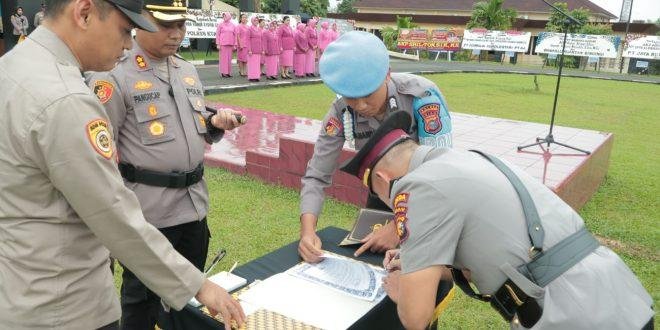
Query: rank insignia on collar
x,y
156,128
100,138
199,103
332,127
142,85
153,110
202,120
393,106
189,80
140,61
103,90
430,113
401,215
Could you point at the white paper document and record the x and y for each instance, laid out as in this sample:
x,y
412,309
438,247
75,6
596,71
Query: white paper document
x,y
307,302
351,277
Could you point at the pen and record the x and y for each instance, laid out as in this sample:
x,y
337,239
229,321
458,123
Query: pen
x,y
221,254
396,256
232,268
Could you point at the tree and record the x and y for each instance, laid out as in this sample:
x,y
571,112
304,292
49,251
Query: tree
x,y
346,7
557,21
234,3
491,16
314,7
271,6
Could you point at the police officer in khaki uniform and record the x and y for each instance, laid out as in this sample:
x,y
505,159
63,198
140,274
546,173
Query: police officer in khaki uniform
x,y
155,102
356,67
64,207
526,251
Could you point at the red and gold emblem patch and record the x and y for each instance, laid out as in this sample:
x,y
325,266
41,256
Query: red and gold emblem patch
x,y
103,90
156,128
400,215
431,115
142,85
100,138
332,127
141,63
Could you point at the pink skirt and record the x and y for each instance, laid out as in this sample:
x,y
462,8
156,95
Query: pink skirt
x,y
225,59
242,54
271,65
299,64
254,66
310,61
286,58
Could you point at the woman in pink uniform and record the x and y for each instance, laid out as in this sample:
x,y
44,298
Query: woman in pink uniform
x,y
255,50
285,34
225,38
273,49
301,50
313,41
324,36
335,33
242,39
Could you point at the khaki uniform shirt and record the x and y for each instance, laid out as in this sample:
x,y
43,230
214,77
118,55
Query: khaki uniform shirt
x,y
401,91
456,208
159,124
63,203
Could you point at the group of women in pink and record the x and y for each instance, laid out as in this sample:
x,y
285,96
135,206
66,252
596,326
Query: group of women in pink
x,y
278,48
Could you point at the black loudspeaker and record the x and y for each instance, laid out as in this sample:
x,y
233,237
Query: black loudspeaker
x,y
246,5
291,7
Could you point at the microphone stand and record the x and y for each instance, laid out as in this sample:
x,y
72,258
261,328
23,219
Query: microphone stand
x,y
549,139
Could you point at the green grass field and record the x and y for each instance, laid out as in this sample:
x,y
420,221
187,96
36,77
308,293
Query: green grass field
x,y
250,218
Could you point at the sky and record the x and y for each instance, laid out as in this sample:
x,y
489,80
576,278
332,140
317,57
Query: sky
x,y
642,9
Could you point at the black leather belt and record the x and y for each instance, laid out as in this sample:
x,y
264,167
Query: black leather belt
x,y
161,179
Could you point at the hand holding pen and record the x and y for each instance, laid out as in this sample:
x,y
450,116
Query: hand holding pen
x,y
392,260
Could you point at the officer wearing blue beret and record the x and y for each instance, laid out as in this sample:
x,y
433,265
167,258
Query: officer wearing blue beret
x,y
356,67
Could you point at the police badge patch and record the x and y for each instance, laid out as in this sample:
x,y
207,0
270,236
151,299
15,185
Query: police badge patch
x,y
103,90
400,216
156,128
332,127
431,115
100,138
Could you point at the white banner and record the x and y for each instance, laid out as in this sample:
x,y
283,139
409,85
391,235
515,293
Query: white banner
x,y
641,46
506,41
207,22
578,44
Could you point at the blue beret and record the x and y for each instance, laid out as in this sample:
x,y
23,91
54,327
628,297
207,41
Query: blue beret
x,y
355,65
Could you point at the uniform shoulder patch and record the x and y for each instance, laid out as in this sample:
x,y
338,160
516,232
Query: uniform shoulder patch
x,y
401,216
333,127
99,136
430,113
103,90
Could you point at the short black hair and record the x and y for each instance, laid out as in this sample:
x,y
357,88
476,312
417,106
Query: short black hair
x,y
285,18
55,7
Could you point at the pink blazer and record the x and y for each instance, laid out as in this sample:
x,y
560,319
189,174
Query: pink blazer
x,y
225,35
272,43
312,36
255,44
324,38
301,42
243,35
285,35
